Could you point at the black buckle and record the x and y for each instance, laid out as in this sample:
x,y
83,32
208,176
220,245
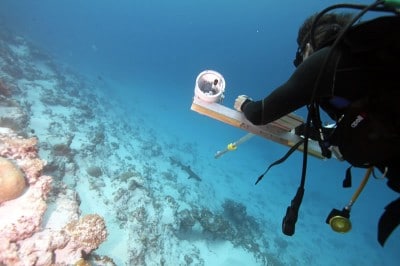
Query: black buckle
x,y
299,57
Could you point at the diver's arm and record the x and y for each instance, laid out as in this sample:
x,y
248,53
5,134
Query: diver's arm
x,y
292,95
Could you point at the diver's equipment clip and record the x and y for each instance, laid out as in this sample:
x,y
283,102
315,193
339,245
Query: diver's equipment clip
x,y
233,145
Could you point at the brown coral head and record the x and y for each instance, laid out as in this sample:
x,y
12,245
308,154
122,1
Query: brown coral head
x,y
12,181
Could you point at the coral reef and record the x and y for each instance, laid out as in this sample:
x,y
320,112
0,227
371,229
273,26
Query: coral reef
x,y
231,224
102,158
11,115
84,235
4,89
237,214
94,171
23,238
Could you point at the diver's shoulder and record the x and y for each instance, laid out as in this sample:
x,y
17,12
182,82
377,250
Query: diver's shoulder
x,y
379,25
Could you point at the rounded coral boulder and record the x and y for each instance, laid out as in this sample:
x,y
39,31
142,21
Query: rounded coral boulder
x,y
12,181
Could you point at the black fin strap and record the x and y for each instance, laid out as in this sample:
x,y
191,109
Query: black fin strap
x,y
281,160
347,179
389,220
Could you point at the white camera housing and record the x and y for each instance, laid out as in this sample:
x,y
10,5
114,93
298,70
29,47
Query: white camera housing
x,y
210,86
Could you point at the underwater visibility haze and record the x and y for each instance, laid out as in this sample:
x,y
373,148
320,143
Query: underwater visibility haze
x,y
106,88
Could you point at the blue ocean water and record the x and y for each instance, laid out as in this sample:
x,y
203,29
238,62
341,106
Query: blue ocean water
x,y
149,52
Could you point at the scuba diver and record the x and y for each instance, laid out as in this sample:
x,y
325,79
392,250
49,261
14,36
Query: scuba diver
x,y
351,71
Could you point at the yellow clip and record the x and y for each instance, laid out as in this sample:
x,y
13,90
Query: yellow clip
x,y
231,147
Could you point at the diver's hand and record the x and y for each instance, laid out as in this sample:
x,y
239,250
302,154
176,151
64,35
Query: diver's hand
x,y
240,100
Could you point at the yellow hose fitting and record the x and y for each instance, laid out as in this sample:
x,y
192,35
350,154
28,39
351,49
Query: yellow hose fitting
x,y
231,147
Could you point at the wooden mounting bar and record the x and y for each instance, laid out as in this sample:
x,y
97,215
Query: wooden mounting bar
x,y
279,131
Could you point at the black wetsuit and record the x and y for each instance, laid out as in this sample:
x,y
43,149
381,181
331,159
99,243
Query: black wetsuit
x,y
364,64
355,75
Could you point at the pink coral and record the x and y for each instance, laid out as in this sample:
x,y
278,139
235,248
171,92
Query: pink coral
x,y
15,147
33,168
85,235
24,152
21,218
89,231
23,240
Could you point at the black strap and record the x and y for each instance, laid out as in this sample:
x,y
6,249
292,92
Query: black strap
x,y
292,212
317,123
281,160
347,179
